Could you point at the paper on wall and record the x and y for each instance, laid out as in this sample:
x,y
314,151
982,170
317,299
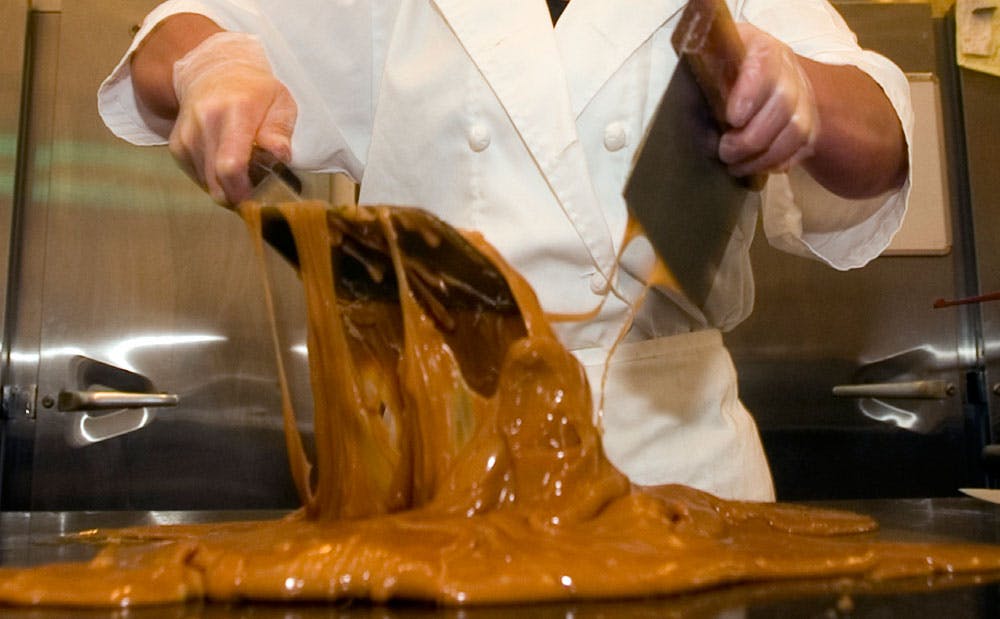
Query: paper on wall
x,y
976,22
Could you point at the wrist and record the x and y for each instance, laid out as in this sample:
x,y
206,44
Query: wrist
x,y
152,63
861,150
219,56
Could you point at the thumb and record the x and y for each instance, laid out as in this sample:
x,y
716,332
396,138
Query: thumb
x,y
275,132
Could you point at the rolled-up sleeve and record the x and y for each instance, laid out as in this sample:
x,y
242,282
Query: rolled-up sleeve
x,y
307,44
800,216
116,101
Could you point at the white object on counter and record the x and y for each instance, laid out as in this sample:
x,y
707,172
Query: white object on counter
x,y
984,494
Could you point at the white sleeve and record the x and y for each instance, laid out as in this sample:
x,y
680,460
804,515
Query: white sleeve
x,y
116,101
800,216
321,50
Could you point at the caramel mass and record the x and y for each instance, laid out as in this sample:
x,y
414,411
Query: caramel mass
x,y
457,461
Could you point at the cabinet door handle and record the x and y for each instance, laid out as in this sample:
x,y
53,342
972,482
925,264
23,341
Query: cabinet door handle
x,y
69,401
918,389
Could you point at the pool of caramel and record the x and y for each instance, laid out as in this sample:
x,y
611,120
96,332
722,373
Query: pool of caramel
x,y
456,462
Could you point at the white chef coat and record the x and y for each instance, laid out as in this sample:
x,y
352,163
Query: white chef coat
x,y
484,113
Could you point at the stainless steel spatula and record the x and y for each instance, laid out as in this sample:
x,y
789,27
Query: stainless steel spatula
x,y
679,191
443,268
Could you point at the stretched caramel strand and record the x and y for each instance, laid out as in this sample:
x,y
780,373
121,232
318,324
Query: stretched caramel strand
x,y
299,464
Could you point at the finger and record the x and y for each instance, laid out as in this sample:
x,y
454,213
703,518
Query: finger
x,y
275,132
232,154
761,131
205,154
188,158
212,185
787,149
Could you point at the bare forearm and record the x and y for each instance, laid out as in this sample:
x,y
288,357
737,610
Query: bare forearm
x,y
153,61
859,150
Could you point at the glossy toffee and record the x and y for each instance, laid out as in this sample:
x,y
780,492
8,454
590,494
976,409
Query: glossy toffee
x,y
426,488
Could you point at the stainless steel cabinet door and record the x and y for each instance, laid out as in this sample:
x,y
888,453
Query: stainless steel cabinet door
x,y
13,26
129,278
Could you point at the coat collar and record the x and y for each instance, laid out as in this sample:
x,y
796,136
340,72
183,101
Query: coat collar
x,y
544,79
596,37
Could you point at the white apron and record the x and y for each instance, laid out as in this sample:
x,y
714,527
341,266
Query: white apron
x,y
671,414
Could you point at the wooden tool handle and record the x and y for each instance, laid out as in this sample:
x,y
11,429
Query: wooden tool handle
x,y
706,38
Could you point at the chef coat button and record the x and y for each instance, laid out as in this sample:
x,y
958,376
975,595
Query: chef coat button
x,y
615,137
598,284
479,138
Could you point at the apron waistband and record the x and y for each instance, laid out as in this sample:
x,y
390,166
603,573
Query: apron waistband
x,y
680,344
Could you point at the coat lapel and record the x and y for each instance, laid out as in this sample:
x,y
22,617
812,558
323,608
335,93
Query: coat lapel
x,y
513,44
596,37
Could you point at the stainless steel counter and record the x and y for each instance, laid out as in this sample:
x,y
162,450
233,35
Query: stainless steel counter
x,y
30,538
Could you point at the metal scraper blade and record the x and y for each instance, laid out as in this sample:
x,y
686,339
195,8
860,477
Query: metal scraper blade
x,y
680,192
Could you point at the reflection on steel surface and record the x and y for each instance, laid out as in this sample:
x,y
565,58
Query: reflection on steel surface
x,y
20,356
118,352
89,429
899,417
